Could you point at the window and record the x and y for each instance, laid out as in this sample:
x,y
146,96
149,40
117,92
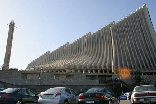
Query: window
x,y
68,91
30,93
23,92
91,77
95,90
106,91
74,93
10,90
54,89
145,88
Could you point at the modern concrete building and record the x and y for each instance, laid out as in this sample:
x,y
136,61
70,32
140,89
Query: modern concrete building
x,y
93,59
123,44
9,46
135,41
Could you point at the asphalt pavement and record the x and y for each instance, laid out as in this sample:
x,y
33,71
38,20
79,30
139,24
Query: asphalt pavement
x,y
125,102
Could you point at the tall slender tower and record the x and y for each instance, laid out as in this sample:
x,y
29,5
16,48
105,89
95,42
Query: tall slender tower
x,y
9,46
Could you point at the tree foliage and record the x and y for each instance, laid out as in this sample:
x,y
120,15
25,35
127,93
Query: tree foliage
x,y
137,76
2,66
13,69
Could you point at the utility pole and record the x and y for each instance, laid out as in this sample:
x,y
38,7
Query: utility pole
x,y
9,46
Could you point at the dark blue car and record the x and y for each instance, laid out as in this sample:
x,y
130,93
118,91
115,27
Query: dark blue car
x,y
125,96
18,96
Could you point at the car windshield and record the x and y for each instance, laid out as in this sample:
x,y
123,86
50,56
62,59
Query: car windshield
x,y
10,90
127,93
124,94
94,90
54,90
1,89
145,88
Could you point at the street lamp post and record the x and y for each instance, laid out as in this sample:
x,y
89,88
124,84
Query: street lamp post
x,y
121,85
41,79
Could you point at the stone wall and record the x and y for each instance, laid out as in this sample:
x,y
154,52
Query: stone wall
x,y
44,80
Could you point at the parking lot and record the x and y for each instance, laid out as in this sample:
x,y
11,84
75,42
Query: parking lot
x,y
125,102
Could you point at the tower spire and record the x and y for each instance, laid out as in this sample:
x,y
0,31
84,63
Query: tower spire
x,y
9,46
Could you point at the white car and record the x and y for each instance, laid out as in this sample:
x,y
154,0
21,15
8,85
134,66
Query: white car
x,y
58,95
144,94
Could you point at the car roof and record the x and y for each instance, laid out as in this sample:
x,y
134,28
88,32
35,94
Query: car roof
x,y
19,88
97,87
54,89
59,87
127,92
144,85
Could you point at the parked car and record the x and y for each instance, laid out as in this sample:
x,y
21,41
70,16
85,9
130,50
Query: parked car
x,y
58,95
97,95
2,89
18,96
125,96
144,94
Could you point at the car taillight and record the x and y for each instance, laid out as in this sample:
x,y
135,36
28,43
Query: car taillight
x,y
6,96
58,95
81,96
136,95
40,95
148,94
152,94
99,96
143,94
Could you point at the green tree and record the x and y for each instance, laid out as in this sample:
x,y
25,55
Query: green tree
x,y
136,78
13,69
1,68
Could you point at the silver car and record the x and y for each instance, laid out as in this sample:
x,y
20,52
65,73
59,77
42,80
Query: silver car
x,y
144,94
58,95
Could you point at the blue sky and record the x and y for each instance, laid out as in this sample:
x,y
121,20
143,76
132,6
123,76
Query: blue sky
x,y
45,25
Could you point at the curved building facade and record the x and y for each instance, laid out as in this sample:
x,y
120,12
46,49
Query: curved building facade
x,y
116,45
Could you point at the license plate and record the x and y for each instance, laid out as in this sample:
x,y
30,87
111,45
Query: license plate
x,y
153,100
123,97
49,96
141,99
89,102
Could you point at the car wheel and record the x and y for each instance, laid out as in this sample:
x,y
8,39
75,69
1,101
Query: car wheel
x,y
118,102
109,102
19,102
65,102
132,101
